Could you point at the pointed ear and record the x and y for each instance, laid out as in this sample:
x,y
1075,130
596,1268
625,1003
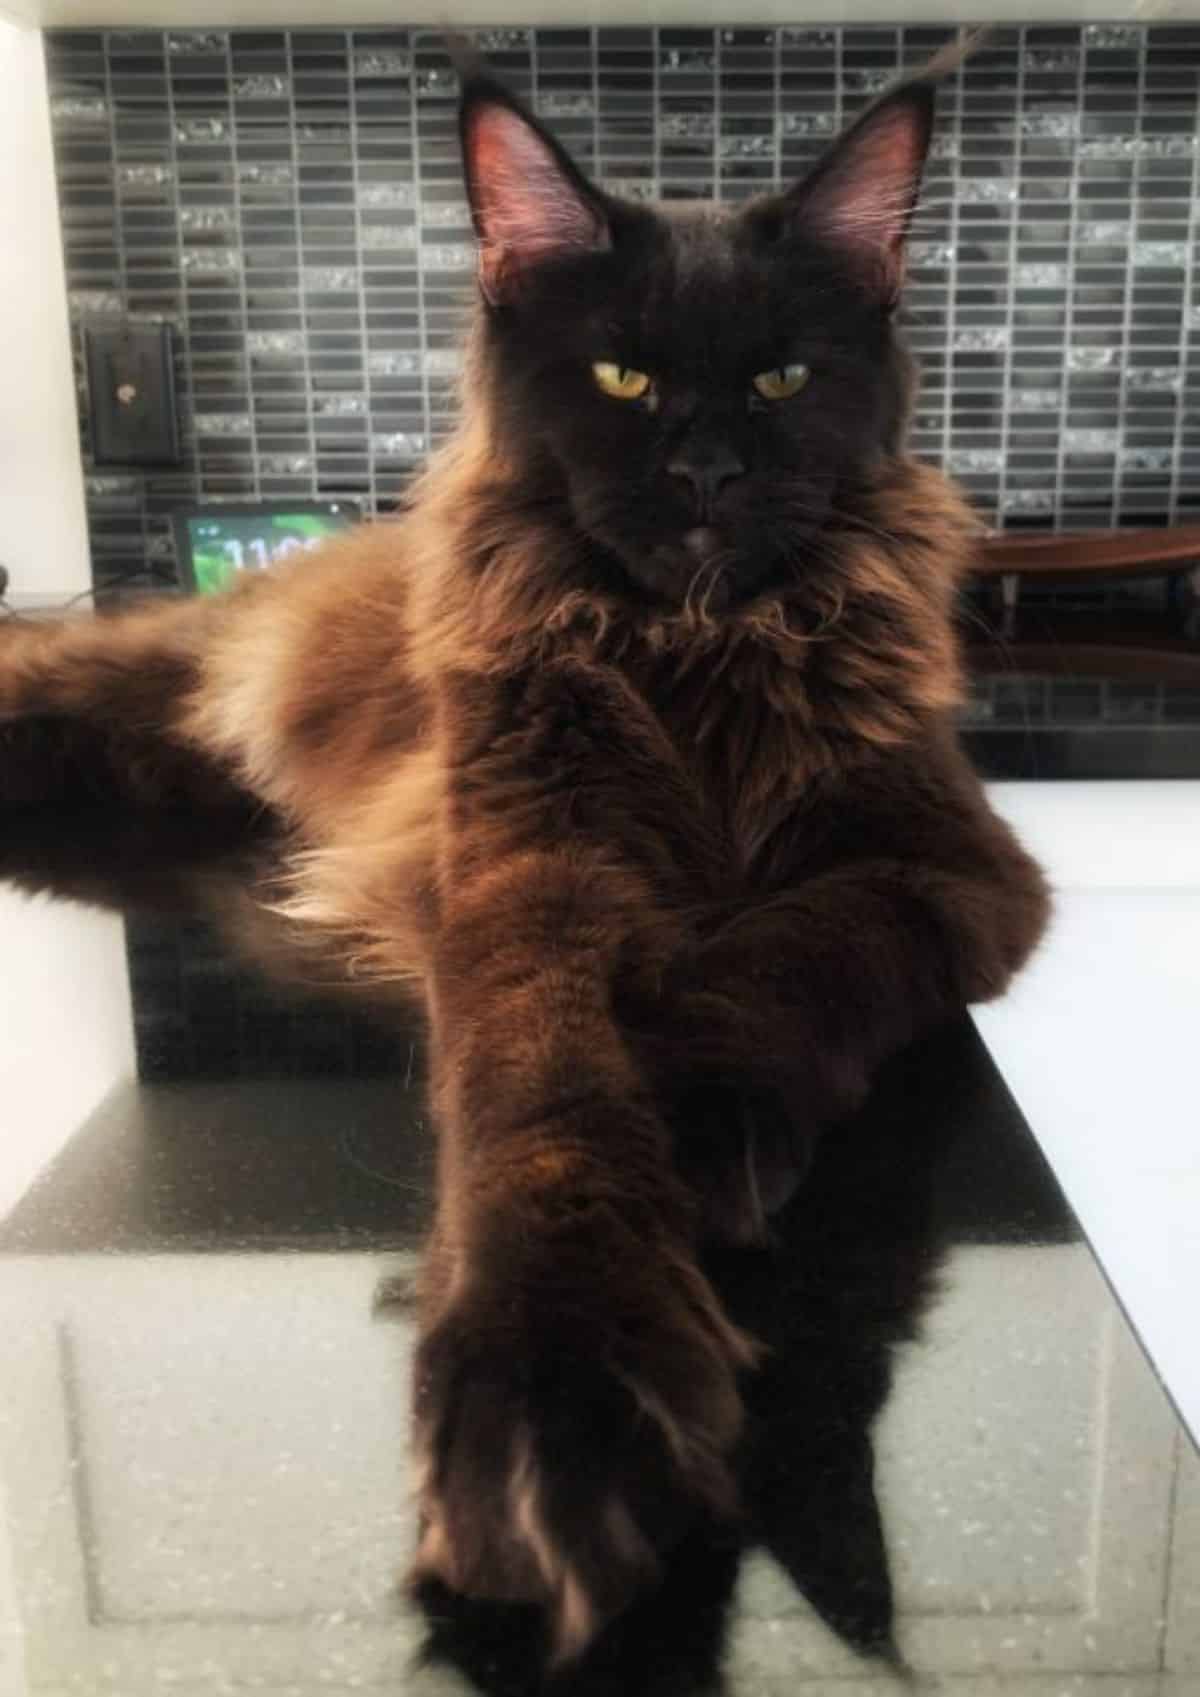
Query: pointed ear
x,y
861,196
529,203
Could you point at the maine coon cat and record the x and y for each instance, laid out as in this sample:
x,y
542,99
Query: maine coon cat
x,y
627,754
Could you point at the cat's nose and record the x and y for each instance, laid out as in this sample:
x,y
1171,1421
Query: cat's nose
x,y
707,471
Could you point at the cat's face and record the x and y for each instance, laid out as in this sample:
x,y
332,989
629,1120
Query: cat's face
x,y
706,385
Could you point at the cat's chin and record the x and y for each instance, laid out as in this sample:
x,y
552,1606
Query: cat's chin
x,y
698,570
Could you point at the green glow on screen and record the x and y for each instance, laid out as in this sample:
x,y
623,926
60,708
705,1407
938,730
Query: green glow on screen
x,y
225,545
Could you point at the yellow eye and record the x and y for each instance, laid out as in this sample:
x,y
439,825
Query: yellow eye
x,y
782,383
620,381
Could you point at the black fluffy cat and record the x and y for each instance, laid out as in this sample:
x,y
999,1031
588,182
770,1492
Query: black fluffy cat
x,y
627,754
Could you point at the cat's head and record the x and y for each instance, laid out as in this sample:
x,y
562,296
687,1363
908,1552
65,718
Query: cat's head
x,y
704,387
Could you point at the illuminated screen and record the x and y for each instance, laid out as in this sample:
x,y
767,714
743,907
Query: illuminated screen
x,y
222,545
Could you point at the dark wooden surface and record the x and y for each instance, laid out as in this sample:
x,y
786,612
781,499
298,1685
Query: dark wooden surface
x,y
1094,553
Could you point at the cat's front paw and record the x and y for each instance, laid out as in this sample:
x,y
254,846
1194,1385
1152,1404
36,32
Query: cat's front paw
x,y
571,1425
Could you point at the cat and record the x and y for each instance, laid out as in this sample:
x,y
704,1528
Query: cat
x,y
627,753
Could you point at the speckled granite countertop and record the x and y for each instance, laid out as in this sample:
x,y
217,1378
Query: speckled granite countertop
x,y
204,1423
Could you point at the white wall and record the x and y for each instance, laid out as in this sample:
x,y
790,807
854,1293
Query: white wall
x,y
221,13
65,1034
43,529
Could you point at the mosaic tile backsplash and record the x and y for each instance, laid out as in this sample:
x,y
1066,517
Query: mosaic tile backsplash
x,y
291,201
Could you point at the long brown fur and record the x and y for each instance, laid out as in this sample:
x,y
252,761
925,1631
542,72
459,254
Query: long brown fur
x,y
615,850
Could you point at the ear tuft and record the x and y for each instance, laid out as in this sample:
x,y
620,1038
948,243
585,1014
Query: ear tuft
x,y
529,203
861,197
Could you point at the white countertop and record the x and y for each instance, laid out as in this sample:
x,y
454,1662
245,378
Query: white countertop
x,y
1099,1042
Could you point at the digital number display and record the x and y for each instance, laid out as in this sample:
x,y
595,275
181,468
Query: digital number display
x,y
225,545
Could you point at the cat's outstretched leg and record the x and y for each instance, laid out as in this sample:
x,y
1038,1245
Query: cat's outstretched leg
x,y
576,1387
105,794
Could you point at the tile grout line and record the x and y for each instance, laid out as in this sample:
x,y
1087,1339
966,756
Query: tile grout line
x,y
422,328
1010,351
1131,270
301,268
1192,236
239,232
360,292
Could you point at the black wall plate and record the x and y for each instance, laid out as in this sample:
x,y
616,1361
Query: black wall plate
x,y
131,394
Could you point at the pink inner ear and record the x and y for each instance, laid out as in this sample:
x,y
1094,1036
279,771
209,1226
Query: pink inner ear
x,y
529,210
865,202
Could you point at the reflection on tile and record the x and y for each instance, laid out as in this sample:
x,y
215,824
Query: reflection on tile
x,y
981,341
1091,441
393,364
1147,459
686,60
631,188
935,255
144,176
386,194
201,129
1042,276
1059,126
185,43
285,465
442,362
210,261
375,236
1167,254
398,444
747,147
1052,59
448,256
501,40
330,278
986,191
686,126
382,62
82,108
435,84
1028,501
206,218
270,344
1035,400
221,423
555,103
872,79
263,85
1165,378
340,406
808,124
94,300
1092,359
270,174
1108,232
445,214
1138,147
960,460
329,133
1098,36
